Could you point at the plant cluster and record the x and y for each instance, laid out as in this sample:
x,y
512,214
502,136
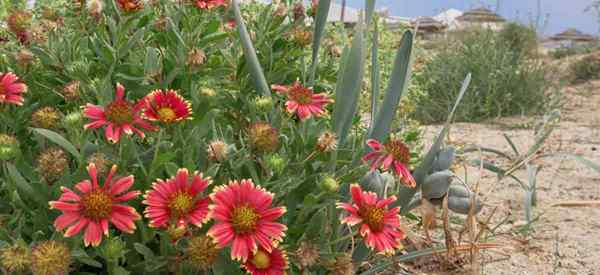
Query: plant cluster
x,y
585,69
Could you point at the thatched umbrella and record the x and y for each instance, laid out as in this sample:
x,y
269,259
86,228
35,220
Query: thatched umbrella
x,y
572,35
429,25
481,15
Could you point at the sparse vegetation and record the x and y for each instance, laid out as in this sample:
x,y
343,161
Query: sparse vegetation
x,y
585,69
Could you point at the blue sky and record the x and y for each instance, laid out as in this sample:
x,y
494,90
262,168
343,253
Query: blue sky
x,y
562,14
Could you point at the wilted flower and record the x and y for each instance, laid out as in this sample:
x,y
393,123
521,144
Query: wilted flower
x,y
19,21
307,254
263,137
379,226
11,89
120,116
71,90
38,34
340,265
196,58
9,147
298,11
335,51
303,101
24,58
327,142
265,262
166,106
95,7
52,164
50,258
130,5
393,153
209,4
201,252
15,258
302,37
95,206
217,150
46,117
245,219
177,201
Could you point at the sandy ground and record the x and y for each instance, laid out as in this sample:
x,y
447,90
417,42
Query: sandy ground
x,y
563,240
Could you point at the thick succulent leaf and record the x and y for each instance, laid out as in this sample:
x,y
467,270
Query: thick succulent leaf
x,y
444,159
370,8
256,71
405,194
320,23
436,185
375,77
346,94
398,84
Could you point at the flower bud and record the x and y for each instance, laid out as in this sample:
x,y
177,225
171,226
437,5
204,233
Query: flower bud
x,y
329,184
327,142
73,119
196,58
307,254
50,258
15,259
263,138
207,92
201,252
217,151
176,232
24,58
9,147
113,249
262,104
52,163
276,163
71,90
46,117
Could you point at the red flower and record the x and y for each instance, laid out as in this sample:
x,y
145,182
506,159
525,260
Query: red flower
x,y
166,106
267,263
177,201
303,101
393,153
11,89
130,5
244,218
231,24
94,206
209,4
379,225
118,117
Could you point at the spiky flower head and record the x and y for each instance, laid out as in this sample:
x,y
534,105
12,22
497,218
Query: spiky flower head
x,y
52,163
327,142
196,58
340,265
50,258
262,104
113,249
302,37
101,161
263,137
307,254
71,90
19,21
9,147
276,163
201,252
176,231
24,58
217,150
15,259
46,117
95,7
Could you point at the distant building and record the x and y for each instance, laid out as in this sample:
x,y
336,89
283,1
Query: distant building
x,y
429,28
481,18
568,38
449,18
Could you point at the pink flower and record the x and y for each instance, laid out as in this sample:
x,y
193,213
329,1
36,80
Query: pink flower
x,y
379,226
166,106
94,206
393,153
177,201
244,218
120,116
303,101
267,263
209,4
11,90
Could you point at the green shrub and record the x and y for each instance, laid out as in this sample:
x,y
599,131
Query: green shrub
x,y
586,69
563,52
504,82
521,39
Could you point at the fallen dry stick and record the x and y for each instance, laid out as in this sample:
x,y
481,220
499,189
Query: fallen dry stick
x,y
576,204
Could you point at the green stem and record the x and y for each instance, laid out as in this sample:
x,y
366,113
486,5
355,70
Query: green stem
x,y
156,151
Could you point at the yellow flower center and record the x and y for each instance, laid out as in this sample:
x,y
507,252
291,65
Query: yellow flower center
x,y
373,217
166,114
261,260
301,95
119,112
244,219
399,150
97,205
181,202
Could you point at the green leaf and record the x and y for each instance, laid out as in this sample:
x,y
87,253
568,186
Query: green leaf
x,y
59,140
81,256
320,23
375,78
256,72
135,39
370,8
397,86
144,250
24,187
405,194
152,63
347,93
